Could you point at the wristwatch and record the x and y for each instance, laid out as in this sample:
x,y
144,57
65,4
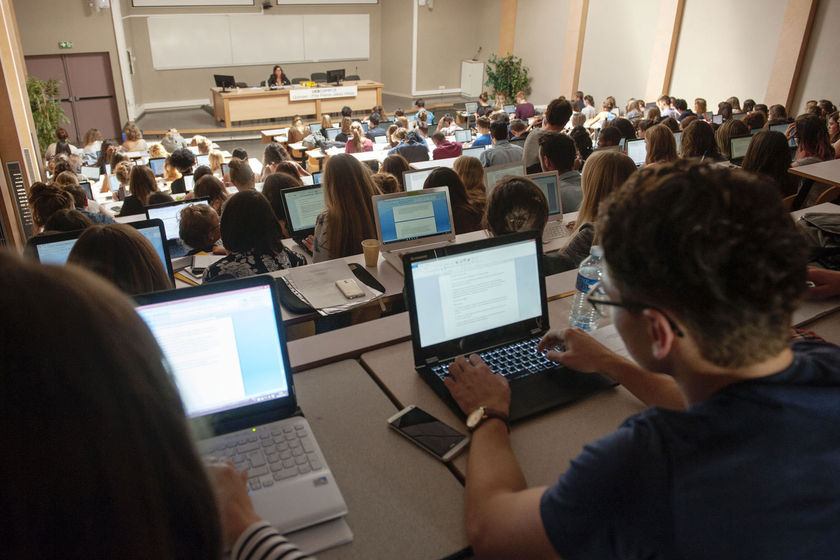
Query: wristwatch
x,y
480,414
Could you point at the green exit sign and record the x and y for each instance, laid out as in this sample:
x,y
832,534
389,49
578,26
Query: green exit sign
x,y
65,45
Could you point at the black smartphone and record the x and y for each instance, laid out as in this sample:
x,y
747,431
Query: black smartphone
x,y
432,435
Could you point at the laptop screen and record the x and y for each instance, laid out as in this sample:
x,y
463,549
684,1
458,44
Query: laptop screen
x,y
332,133
170,214
547,182
509,108
303,206
90,172
637,150
678,139
472,152
56,252
464,135
738,147
779,127
414,180
475,291
470,107
381,139
314,127
157,166
493,174
414,216
202,159
223,348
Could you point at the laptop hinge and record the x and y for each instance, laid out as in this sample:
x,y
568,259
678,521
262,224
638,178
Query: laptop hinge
x,y
535,332
432,360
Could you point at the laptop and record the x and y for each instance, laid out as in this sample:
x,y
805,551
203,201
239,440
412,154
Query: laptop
x,y
509,109
493,174
316,178
202,159
157,165
302,206
549,184
470,107
88,190
410,221
170,214
717,119
314,127
738,149
739,116
91,172
381,139
226,347
332,133
55,248
488,297
637,151
463,135
473,152
414,180
678,140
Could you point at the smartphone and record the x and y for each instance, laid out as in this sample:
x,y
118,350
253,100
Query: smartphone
x,y
437,438
349,288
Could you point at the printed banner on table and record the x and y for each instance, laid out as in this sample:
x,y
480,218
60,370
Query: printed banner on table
x,y
308,94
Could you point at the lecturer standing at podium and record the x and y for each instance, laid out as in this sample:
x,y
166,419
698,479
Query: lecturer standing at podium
x,y
278,78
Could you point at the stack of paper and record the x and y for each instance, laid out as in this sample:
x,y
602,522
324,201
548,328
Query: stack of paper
x,y
316,285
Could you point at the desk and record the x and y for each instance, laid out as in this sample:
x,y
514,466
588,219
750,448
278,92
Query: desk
x,y
402,502
545,444
262,103
827,172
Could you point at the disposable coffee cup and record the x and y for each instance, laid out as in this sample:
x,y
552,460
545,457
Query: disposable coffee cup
x,y
371,250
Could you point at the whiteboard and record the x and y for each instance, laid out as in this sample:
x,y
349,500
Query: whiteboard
x,y
176,44
336,37
248,39
266,40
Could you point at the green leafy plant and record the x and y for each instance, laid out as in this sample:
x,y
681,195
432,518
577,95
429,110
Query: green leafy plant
x,y
46,109
507,75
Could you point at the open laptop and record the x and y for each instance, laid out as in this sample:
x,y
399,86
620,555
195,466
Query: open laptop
x,y
509,109
88,189
226,347
463,135
738,149
170,214
202,159
314,127
411,221
470,107
488,297
473,152
55,248
381,139
302,206
414,180
332,133
678,140
91,172
157,165
549,184
493,174
637,151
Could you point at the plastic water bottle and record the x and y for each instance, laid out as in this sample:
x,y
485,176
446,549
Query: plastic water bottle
x,y
583,314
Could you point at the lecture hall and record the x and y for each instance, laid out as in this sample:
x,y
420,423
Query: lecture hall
x,y
395,278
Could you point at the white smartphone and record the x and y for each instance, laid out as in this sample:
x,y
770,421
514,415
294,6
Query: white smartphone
x,y
350,288
432,435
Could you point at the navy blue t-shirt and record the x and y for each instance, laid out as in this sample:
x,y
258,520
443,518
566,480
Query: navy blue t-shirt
x,y
752,472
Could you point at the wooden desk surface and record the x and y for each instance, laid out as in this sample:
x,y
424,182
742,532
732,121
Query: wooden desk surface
x,y
258,91
827,172
402,502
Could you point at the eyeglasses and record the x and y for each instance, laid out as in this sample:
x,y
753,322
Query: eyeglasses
x,y
597,297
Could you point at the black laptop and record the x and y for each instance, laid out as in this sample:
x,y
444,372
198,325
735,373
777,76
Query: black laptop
x,y
488,297
302,206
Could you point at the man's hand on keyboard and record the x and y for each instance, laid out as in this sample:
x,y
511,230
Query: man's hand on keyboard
x,y
231,490
577,350
472,384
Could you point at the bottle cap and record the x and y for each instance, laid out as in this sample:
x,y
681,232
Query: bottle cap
x,y
596,251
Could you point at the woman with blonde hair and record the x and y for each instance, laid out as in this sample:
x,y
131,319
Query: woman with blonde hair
x,y
216,160
133,138
92,141
326,123
603,174
348,215
359,142
298,131
661,145
471,172
156,150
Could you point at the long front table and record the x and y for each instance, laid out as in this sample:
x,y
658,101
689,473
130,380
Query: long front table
x,y
262,103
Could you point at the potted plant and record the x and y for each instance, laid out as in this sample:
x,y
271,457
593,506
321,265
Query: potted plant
x,y
507,76
46,109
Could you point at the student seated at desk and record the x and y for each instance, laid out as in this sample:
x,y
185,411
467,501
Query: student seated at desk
x,y
396,165
466,215
698,141
252,234
374,127
298,131
278,78
92,141
519,132
45,200
143,184
120,254
482,126
444,149
81,202
199,227
347,219
447,125
412,147
734,392
212,188
273,189
108,467
156,150
134,141
420,105
385,182
273,155
813,144
343,136
184,161
501,151
661,146
557,153
727,130
358,142
241,175
524,110
768,154
67,220
471,173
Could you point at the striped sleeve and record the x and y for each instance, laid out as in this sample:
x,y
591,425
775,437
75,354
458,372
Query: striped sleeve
x,y
261,541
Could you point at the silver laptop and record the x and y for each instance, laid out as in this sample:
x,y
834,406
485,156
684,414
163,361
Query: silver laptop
x,y
412,221
414,180
473,152
738,149
226,348
637,151
471,107
493,174
463,135
549,184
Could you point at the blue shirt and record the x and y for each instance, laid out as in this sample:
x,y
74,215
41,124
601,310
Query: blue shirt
x,y
752,472
483,140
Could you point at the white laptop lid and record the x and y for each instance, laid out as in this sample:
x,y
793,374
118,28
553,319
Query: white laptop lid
x,y
473,152
471,107
549,184
463,135
637,151
493,174
409,219
414,180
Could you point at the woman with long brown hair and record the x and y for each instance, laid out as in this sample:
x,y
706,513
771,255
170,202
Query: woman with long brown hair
x,y
348,215
661,145
142,184
471,172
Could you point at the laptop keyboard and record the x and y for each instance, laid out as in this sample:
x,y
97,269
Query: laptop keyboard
x,y
555,230
270,454
514,361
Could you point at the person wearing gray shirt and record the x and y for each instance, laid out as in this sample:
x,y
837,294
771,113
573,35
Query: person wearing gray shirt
x,y
502,151
556,115
557,153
